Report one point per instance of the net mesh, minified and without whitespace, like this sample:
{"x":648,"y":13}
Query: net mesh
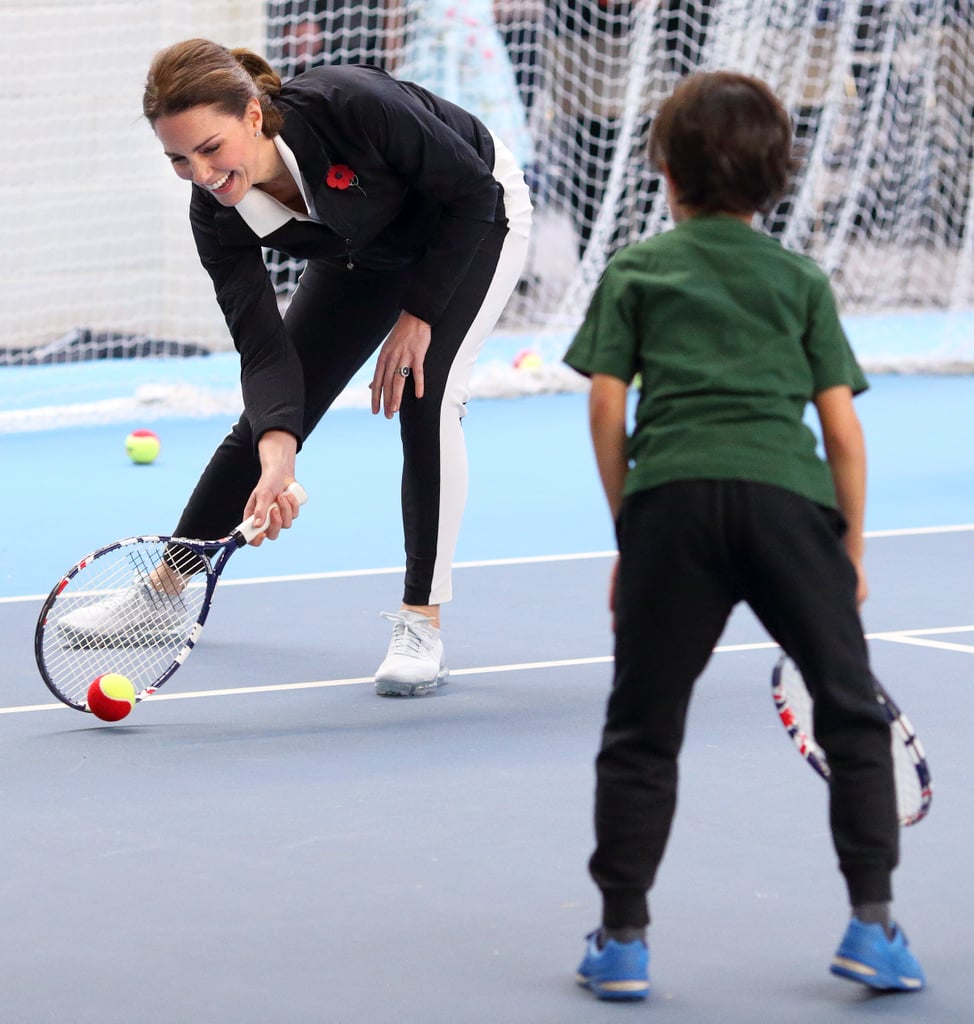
{"x":881,"y":99}
{"x":111,"y":616}
{"x":98,"y":256}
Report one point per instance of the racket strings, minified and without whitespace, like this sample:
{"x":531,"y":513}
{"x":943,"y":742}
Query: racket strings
{"x":794,"y":705}
{"x":120,"y":613}
{"x":914,"y":789}
{"x":183,"y":561}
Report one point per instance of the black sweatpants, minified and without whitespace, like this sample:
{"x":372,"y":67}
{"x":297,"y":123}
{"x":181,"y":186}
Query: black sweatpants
{"x":689,"y":552}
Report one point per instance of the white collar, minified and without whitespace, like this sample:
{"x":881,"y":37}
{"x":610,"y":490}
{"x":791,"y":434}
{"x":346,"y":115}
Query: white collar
{"x":262,"y":212}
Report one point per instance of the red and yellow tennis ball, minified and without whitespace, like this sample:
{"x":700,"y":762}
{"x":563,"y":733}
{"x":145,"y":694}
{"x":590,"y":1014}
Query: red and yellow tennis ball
{"x":111,"y":697}
{"x":528,"y":359}
{"x":142,"y":447}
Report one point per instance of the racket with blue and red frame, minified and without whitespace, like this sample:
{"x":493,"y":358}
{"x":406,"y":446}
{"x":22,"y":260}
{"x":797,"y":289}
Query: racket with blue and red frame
{"x":914,"y":787}
{"x":135,"y":607}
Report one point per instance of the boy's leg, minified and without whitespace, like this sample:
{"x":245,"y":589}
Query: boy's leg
{"x":672,"y":601}
{"x":802,"y":586}
{"x":803,"y":590}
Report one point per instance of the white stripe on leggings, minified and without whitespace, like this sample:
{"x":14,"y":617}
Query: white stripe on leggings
{"x":453,"y":451}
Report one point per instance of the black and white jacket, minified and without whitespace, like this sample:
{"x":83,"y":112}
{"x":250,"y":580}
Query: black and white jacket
{"x":393,"y":175}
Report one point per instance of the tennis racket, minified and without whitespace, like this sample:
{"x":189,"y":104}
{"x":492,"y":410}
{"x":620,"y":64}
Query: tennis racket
{"x":136,"y":607}
{"x":914,"y":789}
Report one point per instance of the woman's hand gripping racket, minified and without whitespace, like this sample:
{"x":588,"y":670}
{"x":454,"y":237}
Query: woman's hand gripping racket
{"x":914,"y":789}
{"x":135,"y":607}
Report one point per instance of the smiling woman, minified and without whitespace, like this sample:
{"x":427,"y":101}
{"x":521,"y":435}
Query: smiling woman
{"x":227,"y":155}
{"x":413,"y":218}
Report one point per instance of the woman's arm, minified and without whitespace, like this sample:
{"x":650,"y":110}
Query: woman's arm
{"x":270,"y":372}
{"x":271,"y":376}
{"x":277,"y":450}
{"x":406,"y":346}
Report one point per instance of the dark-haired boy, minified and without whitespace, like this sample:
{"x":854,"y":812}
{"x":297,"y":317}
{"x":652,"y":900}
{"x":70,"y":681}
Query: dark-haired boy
{"x":719,"y":496}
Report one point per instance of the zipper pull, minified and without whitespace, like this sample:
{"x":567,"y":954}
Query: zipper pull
{"x":349,"y":265}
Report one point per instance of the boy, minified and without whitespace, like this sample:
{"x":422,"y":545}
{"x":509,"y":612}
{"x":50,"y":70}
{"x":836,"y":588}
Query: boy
{"x":718,"y":497}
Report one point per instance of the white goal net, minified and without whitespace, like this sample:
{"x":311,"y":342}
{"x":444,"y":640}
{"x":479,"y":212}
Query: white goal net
{"x":97,"y":251}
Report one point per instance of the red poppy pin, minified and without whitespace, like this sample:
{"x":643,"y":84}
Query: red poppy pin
{"x":341,"y":176}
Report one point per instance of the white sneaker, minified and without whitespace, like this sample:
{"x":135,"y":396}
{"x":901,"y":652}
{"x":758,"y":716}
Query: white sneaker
{"x":128,"y":618}
{"x":414,"y":663}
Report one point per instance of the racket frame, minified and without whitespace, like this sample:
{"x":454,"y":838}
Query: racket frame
{"x":213,"y":556}
{"x":901,"y":728}
{"x":204,"y":550}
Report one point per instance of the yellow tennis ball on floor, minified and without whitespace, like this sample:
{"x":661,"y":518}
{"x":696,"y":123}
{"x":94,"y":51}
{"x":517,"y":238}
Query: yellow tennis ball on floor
{"x":111,"y":697}
{"x":142,"y":447}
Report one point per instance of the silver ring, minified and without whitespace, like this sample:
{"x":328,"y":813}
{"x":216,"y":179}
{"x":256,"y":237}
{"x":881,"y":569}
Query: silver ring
{"x":404,"y":371}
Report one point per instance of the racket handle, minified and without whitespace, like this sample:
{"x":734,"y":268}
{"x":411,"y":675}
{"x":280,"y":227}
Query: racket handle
{"x":248,"y":531}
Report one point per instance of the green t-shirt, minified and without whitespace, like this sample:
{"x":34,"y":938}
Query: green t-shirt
{"x":732,"y":336}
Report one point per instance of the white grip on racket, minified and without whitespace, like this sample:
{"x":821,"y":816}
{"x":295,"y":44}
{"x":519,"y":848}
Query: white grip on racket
{"x":248,"y":531}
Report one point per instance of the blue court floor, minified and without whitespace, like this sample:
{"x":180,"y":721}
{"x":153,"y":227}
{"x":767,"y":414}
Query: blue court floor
{"x":534,"y":489}
{"x":267,"y":842}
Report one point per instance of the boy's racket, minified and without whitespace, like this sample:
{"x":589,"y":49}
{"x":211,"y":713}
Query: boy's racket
{"x":914,"y":789}
{"x":114,"y":612}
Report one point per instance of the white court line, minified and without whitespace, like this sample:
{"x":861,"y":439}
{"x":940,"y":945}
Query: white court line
{"x":527,"y":560}
{"x":939,"y":645}
{"x":386,"y":571}
{"x":901,"y":636}
{"x":918,"y":530}
{"x":324,"y":683}
{"x":915,"y":637}
{"x":489,"y":563}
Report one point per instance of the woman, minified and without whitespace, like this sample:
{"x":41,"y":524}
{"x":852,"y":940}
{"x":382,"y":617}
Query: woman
{"x":413,"y":219}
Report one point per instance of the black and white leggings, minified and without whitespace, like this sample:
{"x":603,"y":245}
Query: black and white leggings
{"x":336,"y":320}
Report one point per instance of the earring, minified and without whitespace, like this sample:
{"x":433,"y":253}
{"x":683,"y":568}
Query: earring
{"x":257,"y":134}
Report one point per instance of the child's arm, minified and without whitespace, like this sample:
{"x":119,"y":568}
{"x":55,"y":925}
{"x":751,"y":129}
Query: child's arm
{"x":845,"y":450}
{"x":607,"y":420}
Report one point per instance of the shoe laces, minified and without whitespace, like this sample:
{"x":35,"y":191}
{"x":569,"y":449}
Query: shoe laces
{"x":141,"y":604}
{"x":409,"y":637}
{"x":128,"y":605}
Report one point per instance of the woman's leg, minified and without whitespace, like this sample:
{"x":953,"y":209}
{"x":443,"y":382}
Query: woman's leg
{"x":336,"y":319}
{"x":434,"y":476}
{"x":434,"y":483}
{"x":434,"y":480}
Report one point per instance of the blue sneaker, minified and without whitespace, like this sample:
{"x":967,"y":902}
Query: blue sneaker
{"x":620,"y":970}
{"x":867,"y":955}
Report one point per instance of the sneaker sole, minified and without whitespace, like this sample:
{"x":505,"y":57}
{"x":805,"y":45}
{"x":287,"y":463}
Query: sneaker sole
{"x":855,"y":970}
{"x":80,"y":640}
{"x":395,"y":688}
{"x":615,"y":991}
